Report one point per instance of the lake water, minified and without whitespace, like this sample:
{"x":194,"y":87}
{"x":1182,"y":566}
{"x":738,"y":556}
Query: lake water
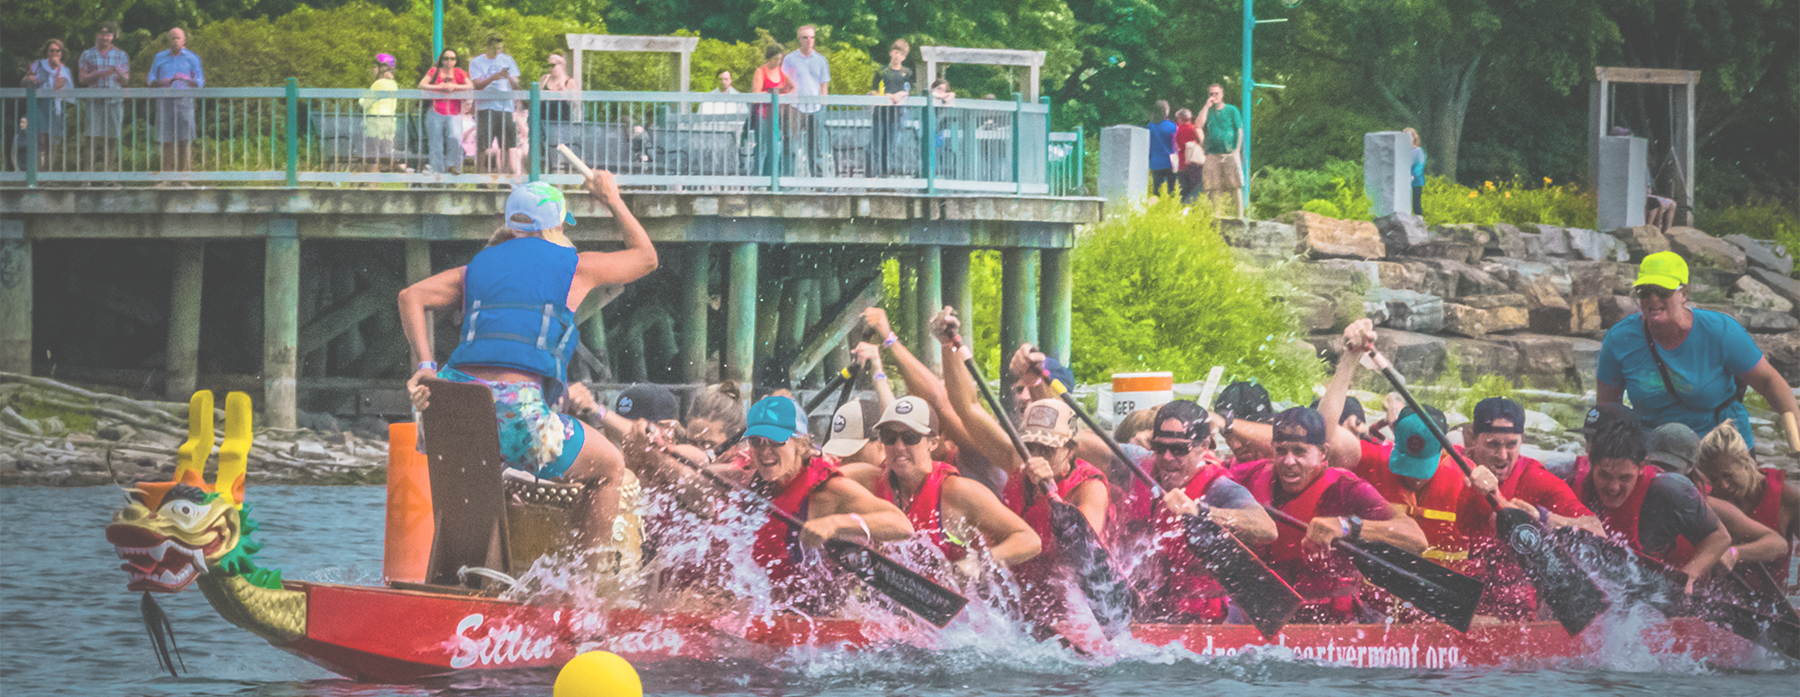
{"x":68,"y":627}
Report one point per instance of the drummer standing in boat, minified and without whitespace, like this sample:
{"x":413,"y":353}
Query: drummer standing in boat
{"x":517,"y":299}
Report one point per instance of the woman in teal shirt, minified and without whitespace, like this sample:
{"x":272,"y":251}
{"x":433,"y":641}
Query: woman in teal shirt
{"x":1692,"y":372}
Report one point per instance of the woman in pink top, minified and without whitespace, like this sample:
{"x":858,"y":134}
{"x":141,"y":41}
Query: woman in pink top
{"x":443,"y":125}
{"x":769,"y":77}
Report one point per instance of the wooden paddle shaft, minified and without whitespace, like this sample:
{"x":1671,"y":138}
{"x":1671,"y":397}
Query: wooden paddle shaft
{"x":1006,"y":424}
{"x":844,"y":375}
{"x":574,"y":160}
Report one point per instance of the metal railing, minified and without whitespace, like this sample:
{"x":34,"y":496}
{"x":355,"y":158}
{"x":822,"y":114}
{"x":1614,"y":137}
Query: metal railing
{"x":1068,"y":160}
{"x":668,"y":140}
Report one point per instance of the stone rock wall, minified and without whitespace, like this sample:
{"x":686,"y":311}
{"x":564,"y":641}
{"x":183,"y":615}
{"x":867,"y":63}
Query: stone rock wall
{"x":1530,"y":301}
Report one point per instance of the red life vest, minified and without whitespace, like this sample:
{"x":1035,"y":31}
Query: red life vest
{"x":925,"y":512}
{"x":777,"y":545}
{"x":1444,"y":509}
{"x":1768,"y":512}
{"x":1317,"y":581}
{"x":1623,"y":519}
{"x":1176,"y":581}
{"x":1043,"y":599}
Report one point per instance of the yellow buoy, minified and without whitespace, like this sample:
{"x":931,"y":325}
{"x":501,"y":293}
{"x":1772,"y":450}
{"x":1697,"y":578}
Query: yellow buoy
{"x":598,"y":674}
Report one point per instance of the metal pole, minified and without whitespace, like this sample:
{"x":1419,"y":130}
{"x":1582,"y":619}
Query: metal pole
{"x":928,"y":129}
{"x":31,"y":130}
{"x":1249,"y":84}
{"x":1018,"y":118}
{"x":535,"y":137}
{"x":437,"y":30}
{"x":293,"y":133}
{"x":774,"y":158}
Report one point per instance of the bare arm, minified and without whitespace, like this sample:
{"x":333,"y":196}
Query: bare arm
{"x":441,"y":291}
{"x":982,"y":431}
{"x":637,"y":259}
{"x":1608,"y":394}
{"x":870,"y":355}
{"x":1092,"y":498}
{"x":1706,"y":554}
{"x":1754,"y":541}
{"x":836,"y":507}
{"x":1009,"y":540}
{"x":1767,"y":382}
{"x":1341,"y":445}
{"x":1400,"y":531}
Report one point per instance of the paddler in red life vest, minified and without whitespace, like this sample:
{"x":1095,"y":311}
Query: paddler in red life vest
{"x":518,"y":299}
{"x":1336,"y":503}
{"x":953,"y":512}
{"x":1661,"y":515}
{"x":783,"y":467}
{"x":1498,"y":429}
{"x":1172,"y":582}
{"x":1725,"y":468}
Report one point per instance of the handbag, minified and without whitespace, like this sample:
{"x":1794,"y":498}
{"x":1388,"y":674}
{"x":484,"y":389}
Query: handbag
{"x":1193,"y":153}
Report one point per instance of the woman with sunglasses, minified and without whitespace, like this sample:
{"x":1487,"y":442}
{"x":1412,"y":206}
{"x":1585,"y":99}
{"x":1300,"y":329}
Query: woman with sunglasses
{"x":1681,"y":364}
{"x":1153,"y":535}
{"x":443,"y":121}
{"x":955,"y":513}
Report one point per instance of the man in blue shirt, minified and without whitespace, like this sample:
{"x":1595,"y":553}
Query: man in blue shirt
{"x":1162,"y":151}
{"x":179,"y":69}
{"x":809,"y":148}
{"x":1690,"y":373}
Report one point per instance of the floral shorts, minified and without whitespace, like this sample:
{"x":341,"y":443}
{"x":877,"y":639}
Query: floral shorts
{"x":533,"y":436}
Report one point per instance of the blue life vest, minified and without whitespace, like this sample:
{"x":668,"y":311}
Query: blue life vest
{"x":516,"y":312}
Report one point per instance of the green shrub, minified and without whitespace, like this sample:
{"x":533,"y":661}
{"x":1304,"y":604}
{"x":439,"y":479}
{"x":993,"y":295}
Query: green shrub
{"x":1760,"y":219}
{"x":1277,"y":190}
{"x":1447,"y":202}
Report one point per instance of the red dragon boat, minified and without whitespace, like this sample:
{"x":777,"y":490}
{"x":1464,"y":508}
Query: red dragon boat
{"x":188,"y":532}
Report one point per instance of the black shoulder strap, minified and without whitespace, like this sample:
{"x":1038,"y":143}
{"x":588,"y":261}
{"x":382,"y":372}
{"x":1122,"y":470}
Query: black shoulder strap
{"x":1669,"y":385}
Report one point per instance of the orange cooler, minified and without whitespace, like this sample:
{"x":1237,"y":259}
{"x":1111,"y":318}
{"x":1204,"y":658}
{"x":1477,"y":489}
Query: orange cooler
{"x":1134,"y":391}
{"x":409,"y":523}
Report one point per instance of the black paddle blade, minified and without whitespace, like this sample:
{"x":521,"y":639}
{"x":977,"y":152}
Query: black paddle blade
{"x":923,"y":596}
{"x":1263,"y":596}
{"x":1748,"y":608}
{"x":1444,"y":594}
{"x":1640,"y":581}
{"x":1111,"y":599}
{"x":1572,"y":596}
{"x":162,"y":635}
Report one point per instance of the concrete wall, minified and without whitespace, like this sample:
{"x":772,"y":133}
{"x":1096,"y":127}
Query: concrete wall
{"x":1622,"y":175}
{"x":1387,"y":172}
{"x":1124,"y":163}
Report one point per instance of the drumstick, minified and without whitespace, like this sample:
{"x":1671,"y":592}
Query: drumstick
{"x":574,"y":160}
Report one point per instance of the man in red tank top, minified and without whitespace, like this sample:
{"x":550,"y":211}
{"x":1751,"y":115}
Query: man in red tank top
{"x":1655,"y":512}
{"x":1524,"y":483}
{"x":951,"y":511}
{"x":1335,"y":503}
{"x":1152,"y":535}
{"x":1726,"y":468}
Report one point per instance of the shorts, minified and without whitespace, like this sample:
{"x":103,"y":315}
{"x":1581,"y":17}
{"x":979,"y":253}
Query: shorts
{"x":50,"y":119}
{"x":106,"y":118}
{"x":533,"y":437}
{"x":174,"y":119}
{"x":1222,"y":173}
{"x":487,"y":122}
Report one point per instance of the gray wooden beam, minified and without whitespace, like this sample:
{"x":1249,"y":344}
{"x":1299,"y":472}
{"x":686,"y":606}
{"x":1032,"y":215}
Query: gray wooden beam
{"x":185,"y":295}
{"x":832,"y":330}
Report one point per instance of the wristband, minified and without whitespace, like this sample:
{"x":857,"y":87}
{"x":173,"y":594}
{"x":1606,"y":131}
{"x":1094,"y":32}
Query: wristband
{"x":1344,"y":527}
{"x":889,"y":341}
{"x":879,"y":377}
{"x":1544,"y":516}
{"x":428,"y":365}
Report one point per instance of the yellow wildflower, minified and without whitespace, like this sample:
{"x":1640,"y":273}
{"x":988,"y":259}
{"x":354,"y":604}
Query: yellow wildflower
{"x":1546,"y":180}
{"x":1490,"y":186}
{"x":1473,"y":194}
{"x":1509,"y":194}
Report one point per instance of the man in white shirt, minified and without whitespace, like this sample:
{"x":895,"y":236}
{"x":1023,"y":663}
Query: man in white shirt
{"x":495,"y":70}
{"x":724,"y":107}
{"x":809,"y":148}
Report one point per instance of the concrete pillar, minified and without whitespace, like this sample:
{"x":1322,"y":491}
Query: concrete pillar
{"x":1124,"y":163}
{"x":956,"y":290}
{"x":1387,"y":172}
{"x":906,"y":307}
{"x":931,"y":299}
{"x":1055,"y":295}
{"x":1018,"y":307}
{"x":184,"y":320}
{"x":740,"y":315}
{"x":1622,"y":173}
{"x":696,"y":301}
{"x":281,"y":322}
{"x":15,"y":298}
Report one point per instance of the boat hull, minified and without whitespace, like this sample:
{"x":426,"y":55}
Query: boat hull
{"x":390,"y":635}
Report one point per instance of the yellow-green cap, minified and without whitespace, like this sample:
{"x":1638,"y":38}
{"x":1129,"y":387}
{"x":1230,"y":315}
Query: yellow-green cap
{"x":1665,"y":269}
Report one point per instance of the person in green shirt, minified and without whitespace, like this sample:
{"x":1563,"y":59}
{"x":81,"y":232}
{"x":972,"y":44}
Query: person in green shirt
{"x":1221,"y":129}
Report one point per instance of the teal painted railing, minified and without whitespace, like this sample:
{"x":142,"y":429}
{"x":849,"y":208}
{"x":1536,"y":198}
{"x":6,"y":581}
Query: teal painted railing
{"x":297,"y":137}
{"x":1067,"y":154}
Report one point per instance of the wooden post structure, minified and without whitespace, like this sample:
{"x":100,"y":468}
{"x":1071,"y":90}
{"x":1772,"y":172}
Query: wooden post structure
{"x":281,"y":322}
{"x":1684,"y":83}
{"x":1018,"y":308}
{"x":955,"y":270}
{"x":740,"y":316}
{"x":1056,"y":294}
{"x":184,"y":320}
{"x":15,"y":298}
{"x":695,"y":303}
{"x":906,"y":307}
{"x":931,"y":299}
{"x":418,"y":268}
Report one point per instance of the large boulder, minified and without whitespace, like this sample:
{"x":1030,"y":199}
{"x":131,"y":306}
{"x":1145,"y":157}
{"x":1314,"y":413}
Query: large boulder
{"x":1754,"y":294}
{"x":1584,"y":316}
{"x":1641,"y":240}
{"x":1509,"y":241}
{"x":1322,"y":237}
{"x":1598,"y":278}
{"x":1419,"y":357}
{"x":1755,"y":320}
{"x":1516,"y":273}
{"x":1477,"y":322}
{"x":1474,"y":281}
{"x":1781,"y":284}
{"x":1783,"y":352}
{"x":1758,"y":254}
{"x":1318,"y":313}
{"x":1555,"y":239}
{"x":1267,"y":237}
{"x":1463,"y":243}
{"x":1704,"y":251}
{"x":1335,"y":276}
{"x":1409,"y":310}
{"x":1477,"y":358}
{"x":1545,"y":362}
{"x":1402,"y":231}
{"x":1589,"y":245}
{"x":1614,"y":308}
{"x":1434,"y":276}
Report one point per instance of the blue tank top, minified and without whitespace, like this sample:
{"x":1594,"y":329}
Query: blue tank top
{"x":515,"y":310}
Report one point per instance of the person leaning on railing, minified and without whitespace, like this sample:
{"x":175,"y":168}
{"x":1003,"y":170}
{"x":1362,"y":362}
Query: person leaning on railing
{"x":379,"y":125}
{"x":555,"y":113}
{"x":894,"y":81}
{"x":443,"y":121}
{"x":176,"y":68}
{"x":49,"y":72}
{"x":105,"y":67}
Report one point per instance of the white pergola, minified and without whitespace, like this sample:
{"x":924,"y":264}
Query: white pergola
{"x":984,"y":56}
{"x":682,"y":46}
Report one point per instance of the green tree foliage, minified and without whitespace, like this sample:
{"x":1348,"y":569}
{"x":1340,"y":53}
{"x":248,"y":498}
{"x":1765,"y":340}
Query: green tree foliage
{"x":26,"y":24}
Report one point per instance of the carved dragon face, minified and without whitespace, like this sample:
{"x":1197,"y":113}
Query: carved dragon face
{"x":170,"y":532}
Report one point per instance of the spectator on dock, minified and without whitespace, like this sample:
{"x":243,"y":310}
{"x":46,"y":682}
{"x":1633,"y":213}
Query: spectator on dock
{"x":1223,"y":128}
{"x":769,"y":77}
{"x":443,"y":121}
{"x":808,"y":146}
{"x":725,"y":87}
{"x":1418,"y":172}
{"x":894,"y":81}
{"x":495,"y":70}
{"x":180,"y":69}
{"x":1189,"y":154}
{"x":49,"y":72}
{"x":378,"y":115}
{"x":105,"y":67}
{"x":1163,"y":160}
{"x":554,"y":115}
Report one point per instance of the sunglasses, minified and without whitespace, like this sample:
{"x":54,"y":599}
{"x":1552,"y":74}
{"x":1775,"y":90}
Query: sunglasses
{"x":1652,"y":292}
{"x":908,"y":437}
{"x":1176,"y":449}
{"x":762,"y":443}
{"x":1040,"y":450}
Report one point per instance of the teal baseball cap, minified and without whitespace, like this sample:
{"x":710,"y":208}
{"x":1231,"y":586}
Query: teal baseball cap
{"x":541,"y":203}
{"x":775,"y":418}
{"x":1416,"y":451}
